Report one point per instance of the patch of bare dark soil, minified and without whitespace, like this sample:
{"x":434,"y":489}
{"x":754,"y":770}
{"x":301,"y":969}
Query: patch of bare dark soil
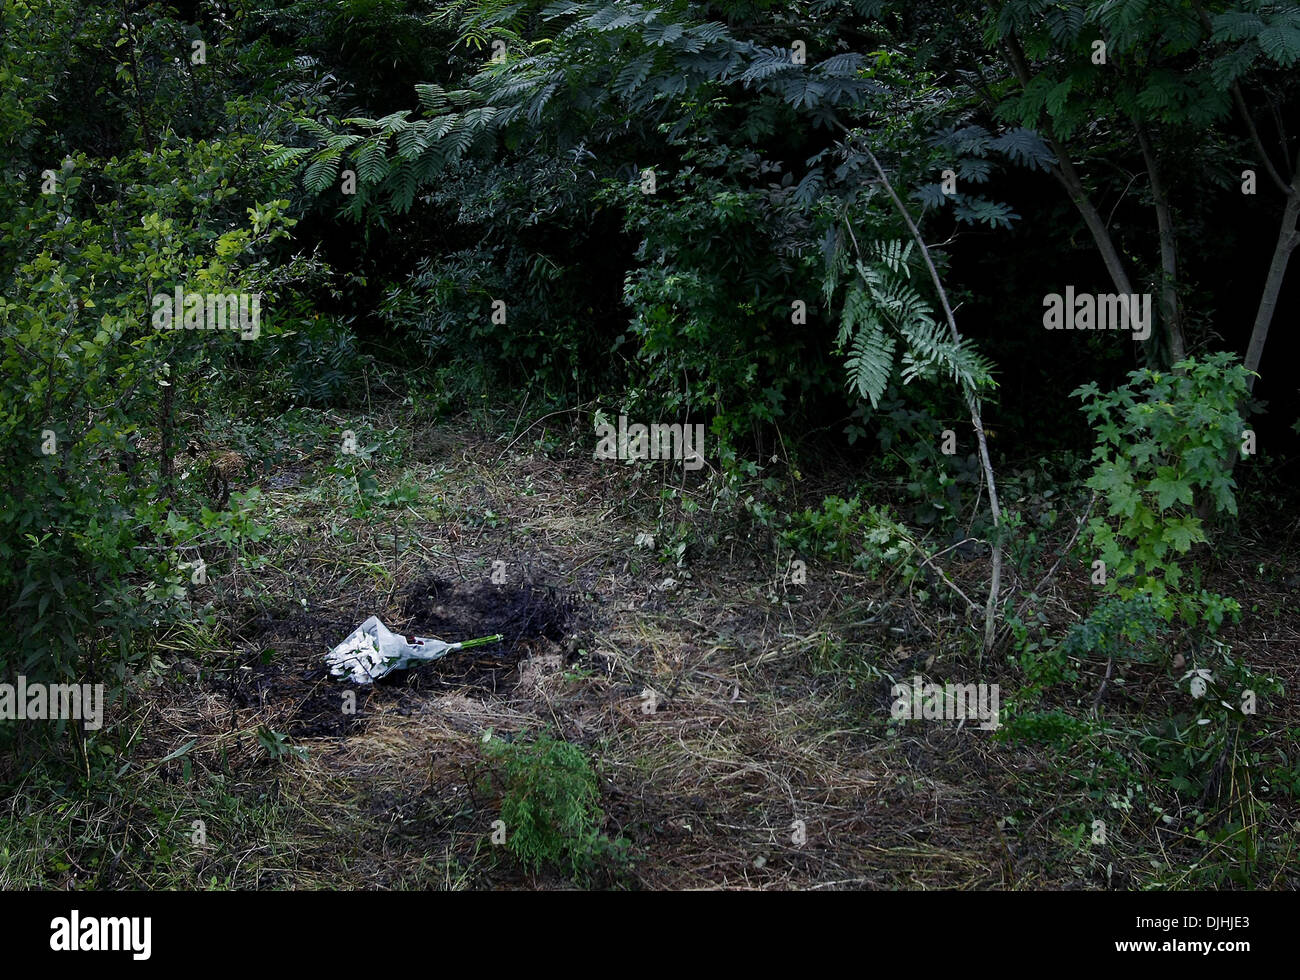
{"x":531,"y":618}
{"x":286,"y":669}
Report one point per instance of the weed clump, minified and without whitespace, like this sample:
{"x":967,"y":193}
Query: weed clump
{"x":550,"y":806}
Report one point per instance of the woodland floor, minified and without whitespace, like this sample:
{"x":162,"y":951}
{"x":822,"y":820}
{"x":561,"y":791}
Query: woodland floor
{"x":757,"y":724}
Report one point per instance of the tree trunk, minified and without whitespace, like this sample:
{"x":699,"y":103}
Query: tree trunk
{"x":1169,"y":302}
{"x":1069,"y":178}
{"x":1287,"y":240}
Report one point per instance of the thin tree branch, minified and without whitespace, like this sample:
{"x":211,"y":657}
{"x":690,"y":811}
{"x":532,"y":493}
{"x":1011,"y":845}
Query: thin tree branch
{"x":972,"y":401}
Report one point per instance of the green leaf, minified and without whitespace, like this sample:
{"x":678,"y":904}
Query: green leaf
{"x":1170,"y":488}
{"x":1182,"y":534}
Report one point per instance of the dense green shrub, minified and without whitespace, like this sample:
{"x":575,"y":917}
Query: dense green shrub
{"x":96,"y":398}
{"x":1163,"y":439}
{"x":550,"y":805}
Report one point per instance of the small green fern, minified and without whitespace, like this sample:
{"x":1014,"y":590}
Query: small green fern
{"x":550,"y":806}
{"x":880,"y":307}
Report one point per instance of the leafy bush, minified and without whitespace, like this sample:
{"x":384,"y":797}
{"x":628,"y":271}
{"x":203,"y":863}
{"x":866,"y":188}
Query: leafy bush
{"x":933,"y":487}
{"x":718,"y":267}
{"x":843,"y":530}
{"x":1123,"y":629}
{"x":1162,"y":439}
{"x":167,"y":188}
{"x":322,"y":362}
{"x":550,"y":806}
{"x":524,"y":233}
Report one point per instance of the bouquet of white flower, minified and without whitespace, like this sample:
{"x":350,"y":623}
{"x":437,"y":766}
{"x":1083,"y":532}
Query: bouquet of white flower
{"x":372,"y":650}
